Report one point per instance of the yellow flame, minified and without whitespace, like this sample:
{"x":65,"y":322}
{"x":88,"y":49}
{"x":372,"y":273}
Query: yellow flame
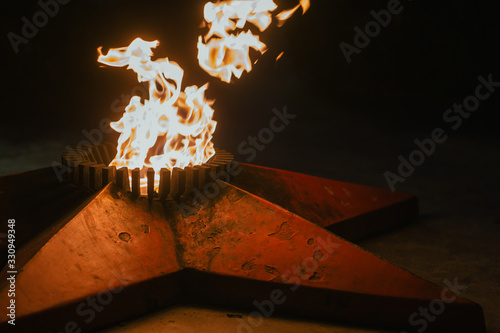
{"x":173,"y":128}
{"x":224,"y":50}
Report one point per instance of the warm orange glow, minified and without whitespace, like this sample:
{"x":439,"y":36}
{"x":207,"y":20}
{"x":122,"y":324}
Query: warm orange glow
{"x":173,"y":128}
{"x":286,"y":14}
{"x":224,"y":50}
{"x":279,"y":55}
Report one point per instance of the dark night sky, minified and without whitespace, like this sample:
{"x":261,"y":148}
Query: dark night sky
{"x":426,"y":59}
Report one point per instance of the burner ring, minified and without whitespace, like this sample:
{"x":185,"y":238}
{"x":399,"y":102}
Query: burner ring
{"x":88,"y":167}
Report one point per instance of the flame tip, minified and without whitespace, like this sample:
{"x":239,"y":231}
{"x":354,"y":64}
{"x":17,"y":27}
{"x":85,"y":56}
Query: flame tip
{"x":223,"y":52}
{"x":174,"y":127}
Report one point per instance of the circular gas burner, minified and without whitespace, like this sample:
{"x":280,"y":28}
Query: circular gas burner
{"x":88,"y":167}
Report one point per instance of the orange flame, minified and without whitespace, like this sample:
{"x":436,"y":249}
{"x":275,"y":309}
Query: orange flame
{"x":173,"y":128}
{"x":280,"y":55}
{"x":224,"y":51}
{"x":286,"y":14}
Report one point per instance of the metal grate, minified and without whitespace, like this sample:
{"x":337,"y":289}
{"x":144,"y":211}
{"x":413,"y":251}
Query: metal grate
{"x":88,"y":166}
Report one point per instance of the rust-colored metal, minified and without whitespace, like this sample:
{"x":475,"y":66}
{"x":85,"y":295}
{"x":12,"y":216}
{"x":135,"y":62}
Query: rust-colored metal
{"x":164,"y":186}
{"x":136,"y":182}
{"x":177,"y":183}
{"x":191,"y":180}
{"x":122,"y":179}
{"x":150,"y":174}
{"x":236,"y":249}
{"x":203,"y":173}
{"x":349,"y":210}
{"x":108,"y":175}
{"x":96,"y":176}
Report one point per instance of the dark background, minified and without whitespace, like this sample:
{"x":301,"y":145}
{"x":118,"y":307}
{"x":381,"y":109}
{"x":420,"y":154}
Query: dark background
{"x":353,"y":120}
{"x":428,"y":58}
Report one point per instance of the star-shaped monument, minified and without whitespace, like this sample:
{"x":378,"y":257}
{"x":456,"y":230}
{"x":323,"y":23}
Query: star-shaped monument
{"x":269,"y":242}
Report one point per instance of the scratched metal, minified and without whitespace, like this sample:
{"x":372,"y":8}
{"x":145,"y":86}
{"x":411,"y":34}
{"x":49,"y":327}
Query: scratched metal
{"x":134,"y":256}
{"x":349,"y":210}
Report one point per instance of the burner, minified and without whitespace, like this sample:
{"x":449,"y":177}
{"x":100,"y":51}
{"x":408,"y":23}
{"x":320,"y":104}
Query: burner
{"x":89,"y":167}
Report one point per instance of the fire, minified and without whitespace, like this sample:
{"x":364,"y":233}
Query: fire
{"x":173,"y":128}
{"x":225,"y":50}
{"x":286,"y":14}
{"x":279,"y":56}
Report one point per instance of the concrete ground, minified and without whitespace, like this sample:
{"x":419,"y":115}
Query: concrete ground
{"x":187,"y":319}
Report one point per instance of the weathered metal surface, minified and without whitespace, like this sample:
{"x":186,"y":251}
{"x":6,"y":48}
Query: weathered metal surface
{"x":37,"y":200}
{"x":241,"y":239}
{"x":349,"y":210}
{"x":113,"y":242}
{"x":233,"y":249}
